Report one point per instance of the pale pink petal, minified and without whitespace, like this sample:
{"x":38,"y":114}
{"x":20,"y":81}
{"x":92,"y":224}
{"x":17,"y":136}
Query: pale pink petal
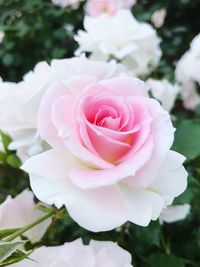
{"x":79,"y":151}
{"x":110,"y":254}
{"x":45,"y":125}
{"x":49,"y":180}
{"x":98,"y":204}
{"x":171,"y":180}
{"x":126,"y":86}
{"x":91,"y":178}
{"x":175,"y":213}
{"x":109,"y":149}
{"x":81,"y":65}
{"x":61,"y":116}
{"x":163,"y":136}
{"x":142,"y":205}
{"x":49,"y":176}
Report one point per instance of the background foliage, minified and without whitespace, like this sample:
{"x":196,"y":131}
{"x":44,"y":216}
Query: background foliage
{"x":35,"y":31}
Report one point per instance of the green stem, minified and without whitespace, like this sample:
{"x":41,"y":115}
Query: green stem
{"x":165,"y":245}
{"x":29,"y":226}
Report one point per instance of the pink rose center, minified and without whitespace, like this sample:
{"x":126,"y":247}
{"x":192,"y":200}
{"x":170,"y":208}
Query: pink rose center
{"x":113,"y":127}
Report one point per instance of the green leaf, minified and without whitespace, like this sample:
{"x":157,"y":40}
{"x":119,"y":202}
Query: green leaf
{"x":163,"y":260}
{"x":6,"y":232}
{"x":13,"y":161}
{"x":5,"y":140}
{"x":2,"y":156}
{"x":8,"y":248}
{"x":187,"y":138}
{"x":17,"y":256}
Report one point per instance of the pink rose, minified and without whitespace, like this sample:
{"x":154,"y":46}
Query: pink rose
{"x":19,"y":102}
{"x":158,"y":17}
{"x":98,"y":7}
{"x":110,"y":160}
{"x":75,"y":254}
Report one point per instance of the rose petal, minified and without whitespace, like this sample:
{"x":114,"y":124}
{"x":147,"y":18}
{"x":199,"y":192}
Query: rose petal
{"x":172,"y":177}
{"x":90,"y":178}
{"x":163,"y":136}
{"x":45,"y":125}
{"x":142,"y":205}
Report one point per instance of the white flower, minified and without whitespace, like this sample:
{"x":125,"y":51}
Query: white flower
{"x":75,"y":254}
{"x":187,"y":73}
{"x":20,"y":211}
{"x":175,"y":213}
{"x":2,"y":34}
{"x":158,"y":17}
{"x":19,"y":102}
{"x":163,"y":91}
{"x":18,"y":111}
{"x":64,"y":3}
{"x":121,"y":37}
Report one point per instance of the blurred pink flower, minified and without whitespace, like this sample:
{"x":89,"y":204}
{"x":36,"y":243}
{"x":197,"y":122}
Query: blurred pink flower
{"x":98,"y":7}
{"x":158,"y":17}
{"x":75,"y":254}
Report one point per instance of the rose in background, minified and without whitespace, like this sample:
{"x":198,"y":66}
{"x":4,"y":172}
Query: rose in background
{"x":158,"y":17}
{"x":65,"y":3}
{"x":163,"y":91}
{"x":97,"y":7}
{"x":110,"y":150}
{"x":175,"y":213}
{"x":187,"y":73}
{"x":96,"y":254}
{"x":133,"y":43}
{"x":18,"y":111}
{"x":19,"y":102}
{"x":20,"y":211}
{"x":110,"y":7}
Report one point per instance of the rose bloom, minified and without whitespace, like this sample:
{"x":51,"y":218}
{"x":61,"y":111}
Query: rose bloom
{"x":19,"y":102}
{"x":158,"y":17}
{"x":18,"y":111}
{"x":133,"y":43}
{"x":75,"y":254}
{"x":175,"y":213}
{"x":163,"y":91}
{"x":110,"y":160}
{"x":20,"y":211}
{"x":98,"y":7}
{"x":187,"y":73}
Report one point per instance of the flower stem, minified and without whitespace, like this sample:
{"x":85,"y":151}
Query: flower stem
{"x":29,"y":226}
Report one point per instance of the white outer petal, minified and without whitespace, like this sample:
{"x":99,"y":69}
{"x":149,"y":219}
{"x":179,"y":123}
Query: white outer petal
{"x":172,"y":177}
{"x":175,"y":213}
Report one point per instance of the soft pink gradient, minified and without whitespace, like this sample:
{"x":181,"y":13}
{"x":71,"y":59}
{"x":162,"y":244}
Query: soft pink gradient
{"x":110,"y":153}
{"x":76,"y":254}
{"x":98,"y":7}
